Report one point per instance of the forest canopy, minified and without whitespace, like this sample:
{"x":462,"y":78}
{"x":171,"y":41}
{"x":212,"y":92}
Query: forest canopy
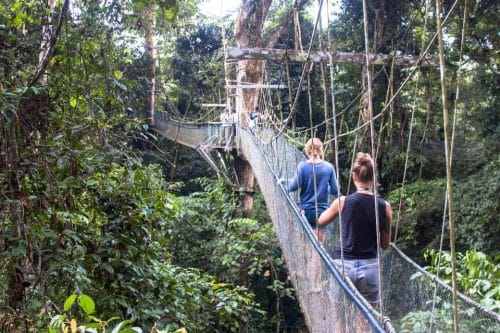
{"x":100,"y":216}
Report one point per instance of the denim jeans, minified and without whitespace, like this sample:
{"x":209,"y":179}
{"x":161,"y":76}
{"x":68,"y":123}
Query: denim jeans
{"x":363,"y":273}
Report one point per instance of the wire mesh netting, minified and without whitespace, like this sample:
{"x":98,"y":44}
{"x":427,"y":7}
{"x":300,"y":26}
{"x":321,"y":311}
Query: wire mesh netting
{"x":414,"y":300}
{"x":417,"y":301}
{"x":189,"y":135}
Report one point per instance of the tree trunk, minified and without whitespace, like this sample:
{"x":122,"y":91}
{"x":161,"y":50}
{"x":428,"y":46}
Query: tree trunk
{"x":246,"y":183}
{"x":248,"y":30}
{"x":149,"y":24}
{"x":47,"y":54}
{"x":378,"y":8}
{"x":45,"y":42}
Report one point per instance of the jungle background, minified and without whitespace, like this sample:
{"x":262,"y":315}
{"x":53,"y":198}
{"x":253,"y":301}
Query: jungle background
{"x":103,"y":222}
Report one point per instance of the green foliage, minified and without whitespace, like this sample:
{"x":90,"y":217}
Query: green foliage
{"x":477,"y":207}
{"x":241,"y":254}
{"x":80,"y":212}
{"x":196,"y":69}
{"x":239,"y":251}
{"x":442,"y":321}
{"x":68,"y":322}
{"x":421,"y":215}
{"x":130,"y":258}
{"x":86,"y":318}
{"x":478,"y":275}
{"x":98,"y":221}
{"x":114,"y":243}
{"x":201,"y":220}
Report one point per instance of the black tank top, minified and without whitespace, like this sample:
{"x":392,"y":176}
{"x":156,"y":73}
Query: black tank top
{"x":359,"y":226}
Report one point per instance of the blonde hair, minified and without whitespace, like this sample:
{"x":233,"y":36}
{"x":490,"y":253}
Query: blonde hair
{"x":363,"y":167}
{"x":314,"y":147}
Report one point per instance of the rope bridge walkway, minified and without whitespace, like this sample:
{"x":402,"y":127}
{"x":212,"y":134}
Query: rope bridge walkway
{"x":414,"y":300}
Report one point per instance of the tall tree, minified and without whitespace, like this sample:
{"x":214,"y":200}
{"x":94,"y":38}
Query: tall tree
{"x":248,"y":31}
{"x":147,"y":16}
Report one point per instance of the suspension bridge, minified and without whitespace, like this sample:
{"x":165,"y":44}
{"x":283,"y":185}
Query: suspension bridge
{"x":411,"y":295}
{"x":412,"y":300}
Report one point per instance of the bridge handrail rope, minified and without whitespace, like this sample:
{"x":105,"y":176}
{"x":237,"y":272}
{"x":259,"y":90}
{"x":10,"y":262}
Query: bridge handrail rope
{"x":304,"y":225}
{"x":306,"y":63}
{"x":434,"y":278}
{"x":373,"y":152}
{"x":407,"y":154}
{"x":455,"y":113}
{"x":390,"y":91}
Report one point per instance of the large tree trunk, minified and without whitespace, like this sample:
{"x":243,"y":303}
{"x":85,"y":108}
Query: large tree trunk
{"x":248,"y":33}
{"x":378,"y":8}
{"x":246,"y":182}
{"x":248,"y":30}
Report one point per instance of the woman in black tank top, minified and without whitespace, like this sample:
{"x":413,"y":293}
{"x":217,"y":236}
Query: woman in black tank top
{"x":359,"y":231}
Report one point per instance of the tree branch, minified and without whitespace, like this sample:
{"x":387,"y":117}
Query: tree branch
{"x":52,"y":43}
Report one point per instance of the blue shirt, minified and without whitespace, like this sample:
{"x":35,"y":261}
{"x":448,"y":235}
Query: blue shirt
{"x":323,"y":183}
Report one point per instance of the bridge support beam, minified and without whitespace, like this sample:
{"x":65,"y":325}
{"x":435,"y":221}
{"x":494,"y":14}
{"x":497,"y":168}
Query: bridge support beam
{"x":233,"y":53}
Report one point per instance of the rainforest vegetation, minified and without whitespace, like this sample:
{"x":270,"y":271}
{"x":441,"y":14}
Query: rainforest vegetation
{"x":105,"y":224}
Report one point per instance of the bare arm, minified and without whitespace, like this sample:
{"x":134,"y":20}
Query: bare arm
{"x":332,"y":212}
{"x":385,"y":233}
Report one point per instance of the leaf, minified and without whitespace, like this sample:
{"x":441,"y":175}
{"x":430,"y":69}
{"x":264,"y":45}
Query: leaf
{"x":69,"y":302}
{"x":86,"y":329}
{"x":86,"y":303}
{"x":19,"y":250}
{"x":131,"y":330}
{"x":72,"y":102}
{"x":91,"y":182}
{"x":57,"y":321}
{"x":121,"y":324}
{"x":111,"y":319}
{"x":121,"y":86}
{"x":118,"y":74}
{"x":73,"y":326}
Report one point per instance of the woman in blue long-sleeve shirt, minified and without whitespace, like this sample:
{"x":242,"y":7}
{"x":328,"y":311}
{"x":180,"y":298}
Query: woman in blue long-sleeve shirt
{"x":316,"y":179}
